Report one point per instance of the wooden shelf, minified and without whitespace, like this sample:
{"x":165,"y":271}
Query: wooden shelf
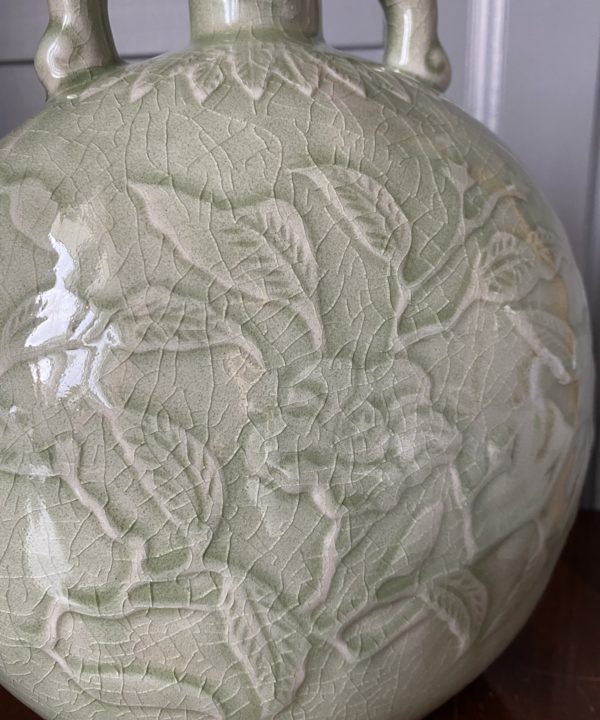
{"x":552,"y":670}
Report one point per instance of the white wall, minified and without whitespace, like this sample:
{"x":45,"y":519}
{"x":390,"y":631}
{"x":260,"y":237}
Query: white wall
{"x":528,"y":68}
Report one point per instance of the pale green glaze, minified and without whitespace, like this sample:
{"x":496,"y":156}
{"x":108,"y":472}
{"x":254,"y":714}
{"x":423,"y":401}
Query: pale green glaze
{"x":296,"y":380}
{"x":412,"y":41}
{"x":77,"y":45}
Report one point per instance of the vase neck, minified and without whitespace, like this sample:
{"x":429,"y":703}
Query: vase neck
{"x":300,"y":18}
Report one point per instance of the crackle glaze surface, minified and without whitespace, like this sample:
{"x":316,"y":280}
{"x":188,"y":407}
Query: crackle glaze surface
{"x":295,"y":393}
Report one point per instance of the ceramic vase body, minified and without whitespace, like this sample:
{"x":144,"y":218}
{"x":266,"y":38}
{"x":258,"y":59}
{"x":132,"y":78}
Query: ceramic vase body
{"x":296,"y":380}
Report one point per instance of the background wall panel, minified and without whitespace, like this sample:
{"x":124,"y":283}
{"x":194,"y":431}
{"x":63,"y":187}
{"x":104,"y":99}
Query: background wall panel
{"x":21,"y":95}
{"x":592,"y":276}
{"x":149,"y":27}
{"x":454,"y":32}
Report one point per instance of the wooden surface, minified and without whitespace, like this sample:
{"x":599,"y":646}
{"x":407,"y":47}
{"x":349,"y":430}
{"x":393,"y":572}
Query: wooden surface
{"x":552,"y":670}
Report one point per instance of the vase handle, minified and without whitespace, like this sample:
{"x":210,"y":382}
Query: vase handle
{"x":412,"y":44}
{"x":77,"y":45}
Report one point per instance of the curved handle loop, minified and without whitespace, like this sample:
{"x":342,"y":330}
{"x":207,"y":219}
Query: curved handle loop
{"x":412,"y":44}
{"x":77,"y":45}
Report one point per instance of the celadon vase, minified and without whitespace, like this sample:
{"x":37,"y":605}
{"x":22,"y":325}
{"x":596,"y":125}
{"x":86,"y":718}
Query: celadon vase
{"x":296,"y":379}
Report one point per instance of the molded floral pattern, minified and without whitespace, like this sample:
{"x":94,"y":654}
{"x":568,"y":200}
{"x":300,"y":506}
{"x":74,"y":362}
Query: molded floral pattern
{"x":295,"y":393}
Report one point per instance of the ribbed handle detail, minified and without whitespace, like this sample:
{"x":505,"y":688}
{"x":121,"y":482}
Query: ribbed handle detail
{"x":77,"y":45}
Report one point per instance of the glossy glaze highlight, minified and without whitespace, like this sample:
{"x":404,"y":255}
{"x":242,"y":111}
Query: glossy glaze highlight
{"x":296,"y":382}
